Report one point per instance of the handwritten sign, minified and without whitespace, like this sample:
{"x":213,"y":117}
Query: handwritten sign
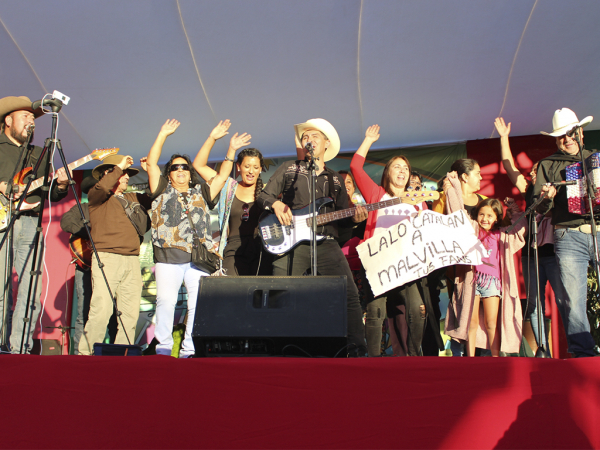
{"x":417,"y":246}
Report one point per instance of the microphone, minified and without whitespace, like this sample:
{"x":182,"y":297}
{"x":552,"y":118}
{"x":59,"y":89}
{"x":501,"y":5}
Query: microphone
{"x":30,"y":128}
{"x":572,"y":131}
{"x":47,"y":102}
{"x":309,"y":146}
{"x":561,"y":183}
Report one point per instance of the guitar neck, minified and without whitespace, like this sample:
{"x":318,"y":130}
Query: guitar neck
{"x":342,"y":214}
{"x":80,"y":162}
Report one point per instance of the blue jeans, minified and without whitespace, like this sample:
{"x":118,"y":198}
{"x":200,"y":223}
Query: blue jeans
{"x":574,"y":251}
{"x":83,"y":285}
{"x":549,"y":272}
{"x":22,"y":253}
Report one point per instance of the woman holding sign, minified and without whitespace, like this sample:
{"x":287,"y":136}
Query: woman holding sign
{"x":409,"y":306}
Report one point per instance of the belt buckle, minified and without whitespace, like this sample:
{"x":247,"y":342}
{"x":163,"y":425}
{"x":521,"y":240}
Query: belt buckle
{"x":586,"y":228}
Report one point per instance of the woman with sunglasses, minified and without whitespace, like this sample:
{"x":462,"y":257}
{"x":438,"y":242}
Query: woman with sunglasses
{"x":237,"y":210}
{"x":179,"y":211}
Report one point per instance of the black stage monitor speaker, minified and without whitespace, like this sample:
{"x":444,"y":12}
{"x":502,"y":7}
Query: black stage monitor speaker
{"x":299,"y":316}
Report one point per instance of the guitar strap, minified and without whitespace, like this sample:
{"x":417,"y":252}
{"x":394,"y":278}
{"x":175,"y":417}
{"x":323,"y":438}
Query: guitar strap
{"x":331,"y":185}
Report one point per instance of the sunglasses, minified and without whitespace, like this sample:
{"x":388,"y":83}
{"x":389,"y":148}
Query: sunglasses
{"x":176,"y":167}
{"x":245,"y":212}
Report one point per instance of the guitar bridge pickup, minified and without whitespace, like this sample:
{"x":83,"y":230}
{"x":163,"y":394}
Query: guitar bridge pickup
{"x":266,"y":232}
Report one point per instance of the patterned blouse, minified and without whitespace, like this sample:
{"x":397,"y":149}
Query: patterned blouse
{"x":170,"y":223}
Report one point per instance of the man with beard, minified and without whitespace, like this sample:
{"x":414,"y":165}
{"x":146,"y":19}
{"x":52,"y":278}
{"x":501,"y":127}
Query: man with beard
{"x":16,"y":127}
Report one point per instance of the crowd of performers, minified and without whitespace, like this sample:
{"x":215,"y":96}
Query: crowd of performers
{"x":484,"y":310}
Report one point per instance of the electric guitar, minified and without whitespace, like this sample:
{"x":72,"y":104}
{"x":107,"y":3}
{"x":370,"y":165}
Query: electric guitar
{"x":81,"y":250}
{"x":19,"y":180}
{"x":279,"y":239}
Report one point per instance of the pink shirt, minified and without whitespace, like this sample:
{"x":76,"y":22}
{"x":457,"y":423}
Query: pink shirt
{"x":491,"y":263}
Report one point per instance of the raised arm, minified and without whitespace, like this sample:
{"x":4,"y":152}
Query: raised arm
{"x":371,"y":135}
{"x":219,"y":179}
{"x":368,"y":188}
{"x":151,"y":162}
{"x":515,"y":176}
{"x":202,"y":157}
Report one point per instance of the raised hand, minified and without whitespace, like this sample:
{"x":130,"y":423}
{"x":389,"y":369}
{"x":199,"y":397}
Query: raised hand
{"x":143,"y":162}
{"x":221,"y":129}
{"x":125,"y":163}
{"x":501,"y":127}
{"x":372,"y":133}
{"x":169,"y":127}
{"x":240,"y":141}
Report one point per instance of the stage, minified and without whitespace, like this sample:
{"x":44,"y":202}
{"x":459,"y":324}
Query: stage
{"x":258,"y":402}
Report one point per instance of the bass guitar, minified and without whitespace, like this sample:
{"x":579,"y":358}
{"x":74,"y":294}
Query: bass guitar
{"x":19,"y":180}
{"x":279,"y":239}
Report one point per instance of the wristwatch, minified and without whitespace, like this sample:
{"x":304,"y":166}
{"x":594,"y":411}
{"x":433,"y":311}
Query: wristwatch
{"x":228,"y":159}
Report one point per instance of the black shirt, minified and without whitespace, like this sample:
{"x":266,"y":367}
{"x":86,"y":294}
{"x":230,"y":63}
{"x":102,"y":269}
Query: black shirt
{"x":10,"y":154}
{"x":292,"y":179}
{"x":552,"y":168}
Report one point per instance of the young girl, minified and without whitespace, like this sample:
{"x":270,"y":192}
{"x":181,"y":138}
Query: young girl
{"x":493,"y":283}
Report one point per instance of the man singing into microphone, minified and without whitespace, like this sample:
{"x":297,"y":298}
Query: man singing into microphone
{"x":292,"y":180}
{"x":572,"y":232}
{"x":16,"y":128}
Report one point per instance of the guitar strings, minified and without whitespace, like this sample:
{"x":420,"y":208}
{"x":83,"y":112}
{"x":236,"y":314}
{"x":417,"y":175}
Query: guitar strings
{"x":304,"y":223}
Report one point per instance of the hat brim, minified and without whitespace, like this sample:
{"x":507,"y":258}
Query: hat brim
{"x":327,"y":129}
{"x":102,"y":167}
{"x":12,"y":104}
{"x":564,"y":130}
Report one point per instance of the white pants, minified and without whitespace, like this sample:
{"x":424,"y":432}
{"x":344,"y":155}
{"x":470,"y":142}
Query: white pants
{"x":168,"y":281}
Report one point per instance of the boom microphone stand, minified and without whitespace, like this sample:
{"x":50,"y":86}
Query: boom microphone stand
{"x":541,"y":350}
{"x":56,"y":106}
{"x":591,"y":193}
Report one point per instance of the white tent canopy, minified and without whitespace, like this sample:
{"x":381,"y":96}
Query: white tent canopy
{"x":427,"y":71}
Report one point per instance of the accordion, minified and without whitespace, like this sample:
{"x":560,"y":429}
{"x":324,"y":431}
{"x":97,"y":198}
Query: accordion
{"x":576,"y":194}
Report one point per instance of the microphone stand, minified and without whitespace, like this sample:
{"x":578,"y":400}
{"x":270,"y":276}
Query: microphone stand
{"x":591,"y":197}
{"x":530,"y":211}
{"x":312,"y":210}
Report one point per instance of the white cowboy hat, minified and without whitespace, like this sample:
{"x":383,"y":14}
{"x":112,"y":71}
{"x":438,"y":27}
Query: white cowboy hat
{"x":565,"y":120}
{"x":10,"y":104}
{"x":327,"y":129}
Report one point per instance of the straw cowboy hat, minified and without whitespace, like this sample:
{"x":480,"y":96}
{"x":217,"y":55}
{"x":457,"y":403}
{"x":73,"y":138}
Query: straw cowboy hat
{"x":565,"y":120}
{"x":10,"y":104}
{"x":109,"y":162}
{"x":327,"y":129}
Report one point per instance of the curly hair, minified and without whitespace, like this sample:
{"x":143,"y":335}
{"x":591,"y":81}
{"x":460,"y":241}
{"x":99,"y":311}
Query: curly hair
{"x":194,"y":176}
{"x":253,"y":153}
